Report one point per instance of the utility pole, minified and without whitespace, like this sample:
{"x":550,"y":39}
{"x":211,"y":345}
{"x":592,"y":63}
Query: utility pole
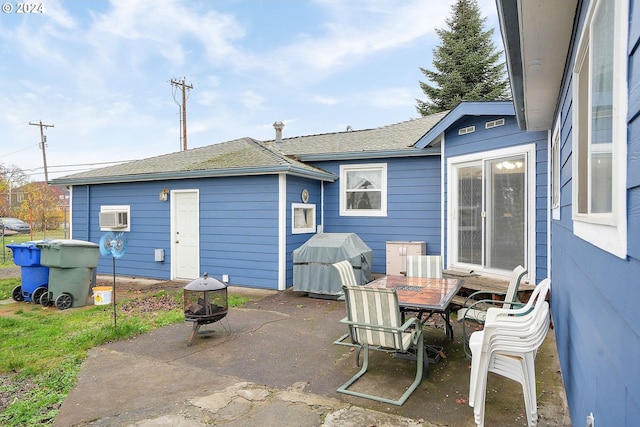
{"x":43,"y":143}
{"x":183,"y":116}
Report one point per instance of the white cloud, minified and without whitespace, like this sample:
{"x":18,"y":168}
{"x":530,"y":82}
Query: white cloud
{"x":359,"y":29}
{"x":389,"y":98}
{"x":251,"y":99}
{"x":325,"y":100}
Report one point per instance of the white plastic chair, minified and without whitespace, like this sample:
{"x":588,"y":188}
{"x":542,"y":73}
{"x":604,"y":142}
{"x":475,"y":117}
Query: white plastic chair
{"x":507,"y":346}
{"x":515,"y":360}
{"x":513,"y":323}
{"x":471,"y":310}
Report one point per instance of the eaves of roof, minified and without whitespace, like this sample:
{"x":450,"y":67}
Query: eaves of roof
{"x":463,"y":109}
{"x":360,"y":155}
{"x":537,"y":35}
{"x":229,"y":172}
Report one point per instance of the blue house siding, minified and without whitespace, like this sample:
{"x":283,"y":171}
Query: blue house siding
{"x":295,"y":185}
{"x":238,"y":227}
{"x":508,"y":135}
{"x":413,"y":206}
{"x":593,"y":292}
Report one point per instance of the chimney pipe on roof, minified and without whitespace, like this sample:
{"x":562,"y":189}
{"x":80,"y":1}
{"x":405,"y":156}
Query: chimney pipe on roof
{"x":278,"y":127}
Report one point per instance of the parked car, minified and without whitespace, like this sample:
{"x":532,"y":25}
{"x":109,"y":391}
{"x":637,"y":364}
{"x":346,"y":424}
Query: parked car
{"x":14,"y":224}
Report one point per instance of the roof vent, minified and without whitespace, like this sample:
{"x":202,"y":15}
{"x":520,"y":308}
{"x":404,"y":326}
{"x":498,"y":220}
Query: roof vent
{"x":278,"y":126}
{"x":494,"y":123}
{"x":468,"y":129}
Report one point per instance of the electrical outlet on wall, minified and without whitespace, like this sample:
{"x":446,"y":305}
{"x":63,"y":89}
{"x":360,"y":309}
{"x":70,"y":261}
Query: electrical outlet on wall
{"x":591,"y":421}
{"x":225,"y":278}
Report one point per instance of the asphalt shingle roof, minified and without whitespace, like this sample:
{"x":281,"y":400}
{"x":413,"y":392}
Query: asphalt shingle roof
{"x":240,"y":156}
{"x":245,"y":155}
{"x":399,"y":136}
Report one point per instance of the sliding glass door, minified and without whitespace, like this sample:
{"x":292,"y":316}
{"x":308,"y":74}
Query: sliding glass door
{"x":488,"y":200}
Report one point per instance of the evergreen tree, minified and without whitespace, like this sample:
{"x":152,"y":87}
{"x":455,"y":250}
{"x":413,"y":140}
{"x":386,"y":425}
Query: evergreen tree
{"x":466,"y":63}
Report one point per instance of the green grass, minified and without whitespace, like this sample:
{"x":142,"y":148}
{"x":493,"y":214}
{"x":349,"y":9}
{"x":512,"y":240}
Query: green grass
{"x":6,"y":287}
{"x":6,"y":255}
{"x":46,"y":347}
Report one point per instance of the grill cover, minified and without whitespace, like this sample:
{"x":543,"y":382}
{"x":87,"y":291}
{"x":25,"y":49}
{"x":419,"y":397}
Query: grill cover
{"x":312,"y":270}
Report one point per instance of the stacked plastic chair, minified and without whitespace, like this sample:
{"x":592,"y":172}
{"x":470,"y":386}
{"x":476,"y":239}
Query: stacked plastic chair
{"x":470,"y":311}
{"x":507,"y":346}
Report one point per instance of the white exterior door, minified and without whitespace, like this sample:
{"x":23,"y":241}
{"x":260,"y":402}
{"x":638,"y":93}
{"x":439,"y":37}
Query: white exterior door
{"x":185,"y":233}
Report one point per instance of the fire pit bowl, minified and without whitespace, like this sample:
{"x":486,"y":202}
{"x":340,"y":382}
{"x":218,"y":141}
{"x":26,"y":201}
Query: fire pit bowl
{"x":205,"y":302}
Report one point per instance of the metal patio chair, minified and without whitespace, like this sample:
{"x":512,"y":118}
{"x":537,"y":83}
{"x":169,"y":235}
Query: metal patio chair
{"x":476,"y":310}
{"x":374,"y":321}
{"x":429,"y":266}
{"x":345,"y":269}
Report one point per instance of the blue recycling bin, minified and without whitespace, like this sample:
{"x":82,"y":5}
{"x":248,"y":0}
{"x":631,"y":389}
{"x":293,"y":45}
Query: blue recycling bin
{"x":34,"y":276}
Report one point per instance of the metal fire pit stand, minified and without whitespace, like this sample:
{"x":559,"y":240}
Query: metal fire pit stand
{"x":196,"y":330}
{"x":205,"y":302}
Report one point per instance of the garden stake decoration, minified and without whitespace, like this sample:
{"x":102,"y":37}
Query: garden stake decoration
{"x":113,"y":244}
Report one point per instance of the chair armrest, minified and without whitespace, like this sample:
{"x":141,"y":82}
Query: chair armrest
{"x":411,"y":322}
{"x":473,"y":295}
{"x":501,"y":316}
{"x":515,"y":305}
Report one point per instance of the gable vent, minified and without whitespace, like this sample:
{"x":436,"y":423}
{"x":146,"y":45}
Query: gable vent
{"x":494,"y":124}
{"x":468,"y":129}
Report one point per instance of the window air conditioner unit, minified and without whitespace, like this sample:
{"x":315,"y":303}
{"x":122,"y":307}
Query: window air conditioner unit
{"x":114,"y":219}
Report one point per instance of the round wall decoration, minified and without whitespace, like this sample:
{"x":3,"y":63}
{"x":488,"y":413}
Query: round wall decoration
{"x":304,"y":195}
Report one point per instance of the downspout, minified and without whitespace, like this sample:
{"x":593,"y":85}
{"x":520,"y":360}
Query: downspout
{"x":69,"y":217}
{"x":443,"y":219}
{"x":282,"y":232}
{"x":549,"y":199}
{"x":322,"y":206}
{"x":88,"y":211}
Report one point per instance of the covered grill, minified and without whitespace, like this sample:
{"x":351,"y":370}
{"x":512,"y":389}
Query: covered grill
{"x":205,"y":301}
{"x":312,"y":270}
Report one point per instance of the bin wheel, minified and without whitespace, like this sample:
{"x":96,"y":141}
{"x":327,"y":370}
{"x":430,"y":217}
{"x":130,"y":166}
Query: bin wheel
{"x":17,"y":293}
{"x":64,"y":301}
{"x":37,"y":294}
{"x":44,"y":300}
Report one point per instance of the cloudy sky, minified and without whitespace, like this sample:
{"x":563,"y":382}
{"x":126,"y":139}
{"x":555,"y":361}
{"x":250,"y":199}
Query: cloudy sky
{"x":100,"y":72}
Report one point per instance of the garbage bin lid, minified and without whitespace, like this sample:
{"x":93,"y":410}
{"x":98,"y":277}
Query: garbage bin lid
{"x":29,"y":245}
{"x":66,"y":242}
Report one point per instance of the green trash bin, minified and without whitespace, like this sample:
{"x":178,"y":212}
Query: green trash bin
{"x":68,"y":253}
{"x":71,"y":271}
{"x":68,"y":287}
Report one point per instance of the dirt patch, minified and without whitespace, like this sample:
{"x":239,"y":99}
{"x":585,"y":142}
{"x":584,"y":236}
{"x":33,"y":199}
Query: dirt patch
{"x":13,"y":390}
{"x":150,"y":304}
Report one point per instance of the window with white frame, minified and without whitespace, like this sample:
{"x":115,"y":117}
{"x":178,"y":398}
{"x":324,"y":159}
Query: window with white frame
{"x":303,"y":218}
{"x":363,"y":190}
{"x":599,"y":127}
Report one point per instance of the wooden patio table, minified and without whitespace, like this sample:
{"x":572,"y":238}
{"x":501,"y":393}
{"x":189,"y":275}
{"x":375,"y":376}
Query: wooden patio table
{"x":422,"y":295}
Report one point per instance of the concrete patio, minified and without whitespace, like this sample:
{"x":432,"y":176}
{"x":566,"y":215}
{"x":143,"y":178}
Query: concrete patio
{"x":279,"y":366}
